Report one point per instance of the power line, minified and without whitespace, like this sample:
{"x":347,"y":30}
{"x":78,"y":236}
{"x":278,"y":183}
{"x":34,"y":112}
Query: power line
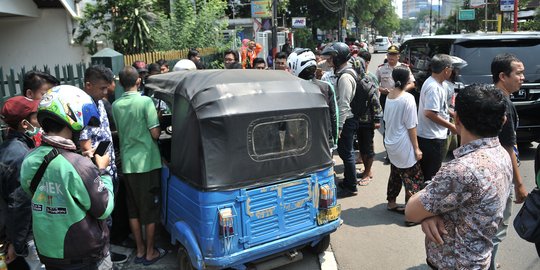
{"x":332,"y":6}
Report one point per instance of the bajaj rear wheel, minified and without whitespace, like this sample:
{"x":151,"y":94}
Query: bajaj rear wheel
{"x":183,"y":259}
{"x":322,"y":246}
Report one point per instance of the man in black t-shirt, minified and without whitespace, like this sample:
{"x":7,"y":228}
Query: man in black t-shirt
{"x":508,"y":75}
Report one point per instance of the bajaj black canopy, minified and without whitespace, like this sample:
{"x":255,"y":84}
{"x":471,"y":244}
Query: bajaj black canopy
{"x":238,"y":128}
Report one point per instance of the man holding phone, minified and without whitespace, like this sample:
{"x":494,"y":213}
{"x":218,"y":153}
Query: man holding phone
{"x":97,"y":80}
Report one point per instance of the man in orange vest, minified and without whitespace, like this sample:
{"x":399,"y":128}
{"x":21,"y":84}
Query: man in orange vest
{"x":249,"y":53}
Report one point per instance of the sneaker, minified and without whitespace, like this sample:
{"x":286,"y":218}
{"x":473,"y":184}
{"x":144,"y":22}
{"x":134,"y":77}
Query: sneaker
{"x":359,"y":174}
{"x":118,"y":258}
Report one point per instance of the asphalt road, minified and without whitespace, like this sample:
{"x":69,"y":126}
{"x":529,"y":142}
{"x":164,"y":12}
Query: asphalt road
{"x":373,"y":238}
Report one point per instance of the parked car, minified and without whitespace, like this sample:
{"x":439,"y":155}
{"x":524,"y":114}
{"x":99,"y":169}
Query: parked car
{"x":479,"y":50}
{"x":248,"y":177}
{"x":381,"y":44}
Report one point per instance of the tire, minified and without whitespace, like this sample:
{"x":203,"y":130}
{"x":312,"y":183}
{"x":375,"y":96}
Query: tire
{"x":184,"y":261}
{"x":322,"y":246}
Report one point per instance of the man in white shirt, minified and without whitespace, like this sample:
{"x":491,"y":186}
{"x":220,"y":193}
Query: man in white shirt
{"x":433,"y":116}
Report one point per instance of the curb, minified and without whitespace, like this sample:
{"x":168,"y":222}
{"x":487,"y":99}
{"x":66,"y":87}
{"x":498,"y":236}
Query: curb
{"x":327,"y":260}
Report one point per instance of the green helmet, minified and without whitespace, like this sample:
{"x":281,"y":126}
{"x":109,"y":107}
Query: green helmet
{"x":69,"y":105}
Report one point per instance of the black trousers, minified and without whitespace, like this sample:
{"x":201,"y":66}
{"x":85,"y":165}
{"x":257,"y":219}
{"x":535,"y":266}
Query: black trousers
{"x":432,"y":155}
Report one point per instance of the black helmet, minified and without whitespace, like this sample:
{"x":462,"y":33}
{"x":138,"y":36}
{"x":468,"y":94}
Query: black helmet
{"x":339,"y":51}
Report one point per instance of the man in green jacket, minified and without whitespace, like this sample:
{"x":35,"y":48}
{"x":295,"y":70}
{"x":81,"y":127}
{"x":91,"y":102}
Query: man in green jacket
{"x":71,"y":197}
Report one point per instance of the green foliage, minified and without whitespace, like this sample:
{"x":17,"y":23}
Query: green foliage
{"x":317,"y":16}
{"x":93,"y":26}
{"x":532,"y":25}
{"x":182,"y":24}
{"x":188,"y":27}
{"x":386,"y":20}
{"x":135,"y":33}
{"x":365,"y":10}
{"x":377,"y":14}
{"x":127,"y":23}
{"x":137,"y":26}
{"x":406,"y":26}
{"x":304,"y":39}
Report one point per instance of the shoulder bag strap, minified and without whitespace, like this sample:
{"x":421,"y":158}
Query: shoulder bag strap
{"x":41,"y":170}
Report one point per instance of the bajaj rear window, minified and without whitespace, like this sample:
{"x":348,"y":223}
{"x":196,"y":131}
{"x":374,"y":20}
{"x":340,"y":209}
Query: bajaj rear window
{"x":279,"y":137}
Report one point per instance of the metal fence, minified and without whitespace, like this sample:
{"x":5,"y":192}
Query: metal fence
{"x":11,"y":84}
{"x":11,"y":81}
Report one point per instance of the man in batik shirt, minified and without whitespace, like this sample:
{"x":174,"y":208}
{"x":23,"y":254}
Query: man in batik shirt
{"x":462,"y":206}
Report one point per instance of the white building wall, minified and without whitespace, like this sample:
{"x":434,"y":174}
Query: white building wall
{"x":44,"y":40}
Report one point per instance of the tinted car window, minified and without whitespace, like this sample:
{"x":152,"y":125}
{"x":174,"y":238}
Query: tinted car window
{"x":479,"y":55}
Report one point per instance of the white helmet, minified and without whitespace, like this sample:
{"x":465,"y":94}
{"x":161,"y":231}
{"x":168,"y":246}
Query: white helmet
{"x":184,"y":64}
{"x":458,"y":62}
{"x":299,"y":60}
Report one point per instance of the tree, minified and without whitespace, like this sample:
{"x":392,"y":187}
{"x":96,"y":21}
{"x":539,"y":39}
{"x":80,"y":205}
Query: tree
{"x":385,"y":20}
{"x":365,"y":10}
{"x":379,"y":15}
{"x":194,"y":26}
{"x":318,"y":17}
{"x":406,"y":26}
{"x":127,"y":23}
{"x":532,"y":25}
{"x":136,"y":26}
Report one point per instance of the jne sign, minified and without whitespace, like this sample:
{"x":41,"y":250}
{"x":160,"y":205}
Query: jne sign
{"x":299,"y":22}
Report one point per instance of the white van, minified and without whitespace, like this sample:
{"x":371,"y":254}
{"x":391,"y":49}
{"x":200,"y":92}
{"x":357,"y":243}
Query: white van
{"x":381,"y":44}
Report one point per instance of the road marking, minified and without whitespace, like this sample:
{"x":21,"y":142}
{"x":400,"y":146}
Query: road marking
{"x":327,"y":260}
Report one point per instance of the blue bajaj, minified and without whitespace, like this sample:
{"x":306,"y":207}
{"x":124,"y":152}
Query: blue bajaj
{"x":248,"y":178}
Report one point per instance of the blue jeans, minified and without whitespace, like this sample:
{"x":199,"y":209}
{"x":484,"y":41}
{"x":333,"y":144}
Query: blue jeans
{"x":346,"y":152}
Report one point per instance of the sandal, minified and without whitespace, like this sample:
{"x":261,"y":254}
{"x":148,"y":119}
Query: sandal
{"x":398,"y":209}
{"x":138,"y":259}
{"x":365,"y":181}
{"x":162,"y":254}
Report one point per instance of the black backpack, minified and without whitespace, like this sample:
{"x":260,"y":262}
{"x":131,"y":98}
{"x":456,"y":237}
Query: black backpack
{"x":365,"y":89}
{"x":527,"y":221}
{"x":359,"y":65}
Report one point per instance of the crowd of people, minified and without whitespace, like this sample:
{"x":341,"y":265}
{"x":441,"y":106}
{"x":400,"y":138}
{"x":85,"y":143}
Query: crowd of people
{"x":55,"y":130}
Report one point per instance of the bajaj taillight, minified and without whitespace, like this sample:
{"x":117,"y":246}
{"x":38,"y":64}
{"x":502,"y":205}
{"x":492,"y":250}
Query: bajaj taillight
{"x":226,"y":227}
{"x":326,"y":196}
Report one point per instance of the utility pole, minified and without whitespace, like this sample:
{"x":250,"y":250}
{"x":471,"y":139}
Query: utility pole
{"x":485,"y":19}
{"x":274,"y":28}
{"x":439,"y":14}
{"x":430,"y":15}
{"x":516,"y":3}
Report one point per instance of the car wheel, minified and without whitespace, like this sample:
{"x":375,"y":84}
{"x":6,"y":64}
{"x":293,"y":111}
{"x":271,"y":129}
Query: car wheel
{"x":183,"y":259}
{"x":322,"y":246}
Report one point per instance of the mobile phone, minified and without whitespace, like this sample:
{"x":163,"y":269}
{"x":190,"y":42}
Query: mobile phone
{"x":102,"y":148}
